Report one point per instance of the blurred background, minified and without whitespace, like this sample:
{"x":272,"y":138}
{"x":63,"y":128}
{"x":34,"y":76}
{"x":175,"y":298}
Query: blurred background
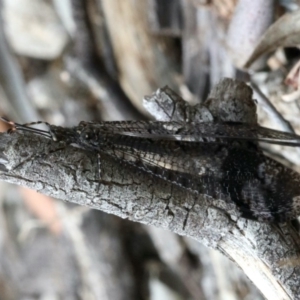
{"x":63,"y":61}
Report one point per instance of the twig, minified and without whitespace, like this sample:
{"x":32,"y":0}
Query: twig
{"x":268,"y":254}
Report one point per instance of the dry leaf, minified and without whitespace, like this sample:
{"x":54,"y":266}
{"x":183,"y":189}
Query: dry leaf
{"x":285,"y":32}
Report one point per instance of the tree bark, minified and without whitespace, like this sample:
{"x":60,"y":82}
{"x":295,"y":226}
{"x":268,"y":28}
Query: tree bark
{"x":268,"y":253}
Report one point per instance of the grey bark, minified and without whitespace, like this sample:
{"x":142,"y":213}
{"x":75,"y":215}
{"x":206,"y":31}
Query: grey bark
{"x":267,"y":253}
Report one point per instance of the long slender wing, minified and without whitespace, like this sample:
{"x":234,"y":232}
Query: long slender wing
{"x":195,"y":132}
{"x":190,"y":132}
{"x":192,"y":158}
{"x":234,"y":178}
{"x":184,"y":165}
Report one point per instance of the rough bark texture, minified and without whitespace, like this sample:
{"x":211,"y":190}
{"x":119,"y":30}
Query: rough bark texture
{"x":94,"y":60}
{"x":267,"y":253}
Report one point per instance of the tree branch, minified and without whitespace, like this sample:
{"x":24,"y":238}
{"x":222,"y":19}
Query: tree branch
{"x":267,"y":253}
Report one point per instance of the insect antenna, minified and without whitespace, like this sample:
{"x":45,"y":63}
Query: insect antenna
{"x":26,"y":127}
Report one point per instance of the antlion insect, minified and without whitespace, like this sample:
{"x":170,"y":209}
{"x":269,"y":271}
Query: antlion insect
{"x":221,"y":160}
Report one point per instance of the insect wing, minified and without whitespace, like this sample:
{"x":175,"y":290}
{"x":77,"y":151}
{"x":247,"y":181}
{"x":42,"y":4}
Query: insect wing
{"x":179,"y":169}
{"x":198,"y":132}
{"x":175,"y":156}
